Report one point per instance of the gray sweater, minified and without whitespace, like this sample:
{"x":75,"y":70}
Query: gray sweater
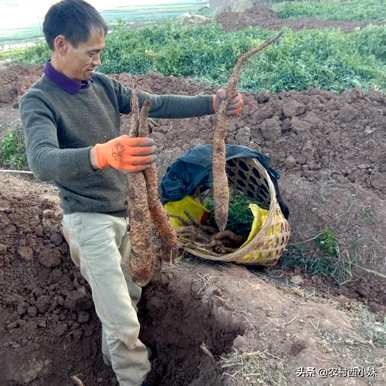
{"x":60,"y":129}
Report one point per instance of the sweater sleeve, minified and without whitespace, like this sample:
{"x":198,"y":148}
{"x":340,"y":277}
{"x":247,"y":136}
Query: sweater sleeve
{"x":47,"y":161}
{"x":166,"y":106}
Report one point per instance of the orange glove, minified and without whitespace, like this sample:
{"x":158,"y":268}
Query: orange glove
{"x":235,"y":105}
{"x":132,"y":154}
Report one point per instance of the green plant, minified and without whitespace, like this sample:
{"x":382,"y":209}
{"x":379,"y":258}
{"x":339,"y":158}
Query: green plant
{"x":240,"y":217}
{"x":333,"y":10}
{"x":12,"y":151}
{"x":324,"y":261}
{"x":328,"y":243}
{"x":325,"y":59}
{"x":316,"y":265}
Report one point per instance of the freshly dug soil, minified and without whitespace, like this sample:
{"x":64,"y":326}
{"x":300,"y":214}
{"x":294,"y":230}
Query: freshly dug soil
{"x":15,"y":80}
{"x":261,"y":16}
{"x":326,"y":146}
{"x":330,"y":150}
{"x":206,"y":324}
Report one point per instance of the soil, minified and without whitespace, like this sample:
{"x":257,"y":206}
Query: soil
{"x":330,"y":150}
{"x":15,"y":80}
{"x":261,"y":16}
{"x":217,"y":324}
{"x":206,"y":324}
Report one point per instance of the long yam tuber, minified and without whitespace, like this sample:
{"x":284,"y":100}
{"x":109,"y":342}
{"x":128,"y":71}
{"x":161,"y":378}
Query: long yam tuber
{"x":145,"y":208}
{"x":220,"y":179}
{"x":157,"y":211}
{"x":142,"y":259}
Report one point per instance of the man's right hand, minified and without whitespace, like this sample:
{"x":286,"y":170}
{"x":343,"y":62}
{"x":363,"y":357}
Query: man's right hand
{"x":132,"y":154}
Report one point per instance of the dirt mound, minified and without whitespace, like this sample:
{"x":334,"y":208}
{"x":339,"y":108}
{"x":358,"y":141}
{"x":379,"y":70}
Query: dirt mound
{"x":247,"y":331}
{"x":266,"y":18}
{"x":15,"y":80}
{"x":330,"y":150}
{"x":207,"y":324}
{"x":45,"y":304}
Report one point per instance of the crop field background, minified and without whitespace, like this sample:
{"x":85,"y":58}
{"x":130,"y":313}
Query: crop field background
{"x":329,"y":59}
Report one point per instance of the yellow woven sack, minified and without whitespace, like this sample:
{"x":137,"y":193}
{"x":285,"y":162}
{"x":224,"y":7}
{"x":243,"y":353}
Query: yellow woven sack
{"x":259,"y":217}
{"x":177,"y":208}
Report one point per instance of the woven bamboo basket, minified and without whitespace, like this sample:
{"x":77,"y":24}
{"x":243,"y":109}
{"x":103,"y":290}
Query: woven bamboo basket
{"x":248,"y":176}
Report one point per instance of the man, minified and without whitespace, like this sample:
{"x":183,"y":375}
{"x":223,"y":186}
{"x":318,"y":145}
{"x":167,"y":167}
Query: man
{"x":71,"y":119}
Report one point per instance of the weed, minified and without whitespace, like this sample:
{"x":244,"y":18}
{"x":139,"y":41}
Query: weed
{"x":12,"y":151}
{"x":325,"y":260}
{"x":373,"y":330}
{"x":333,"y":10}
{"x":328,"y":243}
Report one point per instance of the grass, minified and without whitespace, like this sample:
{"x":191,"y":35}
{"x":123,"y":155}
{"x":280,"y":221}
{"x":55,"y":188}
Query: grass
{"x":11,"y":54}
{"x":12,"y":151}
{"x":253,"y":368}
{"x":347,"y":10}
{"x":320,"y":256}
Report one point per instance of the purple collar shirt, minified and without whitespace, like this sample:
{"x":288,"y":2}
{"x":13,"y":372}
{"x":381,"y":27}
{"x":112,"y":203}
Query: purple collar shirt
{"x":64,"y":82}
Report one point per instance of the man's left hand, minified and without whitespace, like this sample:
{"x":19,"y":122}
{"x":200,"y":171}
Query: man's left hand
{"x":235,"y":105}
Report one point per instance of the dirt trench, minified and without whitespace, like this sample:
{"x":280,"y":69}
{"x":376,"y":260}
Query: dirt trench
{"x":49,"y":330}
{"x":186,"y":332}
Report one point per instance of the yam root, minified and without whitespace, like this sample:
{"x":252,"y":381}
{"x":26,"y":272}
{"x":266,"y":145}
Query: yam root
{"x":193,"y":234}
{"x":133,"y":129}
{"x":206,"y":237}
{"x":145,"y":208}
{"x":234,"y":239}
{"x":220,"y":179}
{"x":192,"y":225}
{"x":157,"y":211}
{"x":142,"y":259}
{"x":141,"y":262}
{"x":205,"y":228}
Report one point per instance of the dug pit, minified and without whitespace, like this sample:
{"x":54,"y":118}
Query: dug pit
{"x":49,"y":330}
{"x":206,"y":323}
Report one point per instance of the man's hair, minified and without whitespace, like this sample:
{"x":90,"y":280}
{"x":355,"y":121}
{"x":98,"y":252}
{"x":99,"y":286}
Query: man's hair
{"x":74,"y":19}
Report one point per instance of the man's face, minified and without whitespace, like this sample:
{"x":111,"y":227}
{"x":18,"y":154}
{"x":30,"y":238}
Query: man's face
{"x":78,"y":62}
